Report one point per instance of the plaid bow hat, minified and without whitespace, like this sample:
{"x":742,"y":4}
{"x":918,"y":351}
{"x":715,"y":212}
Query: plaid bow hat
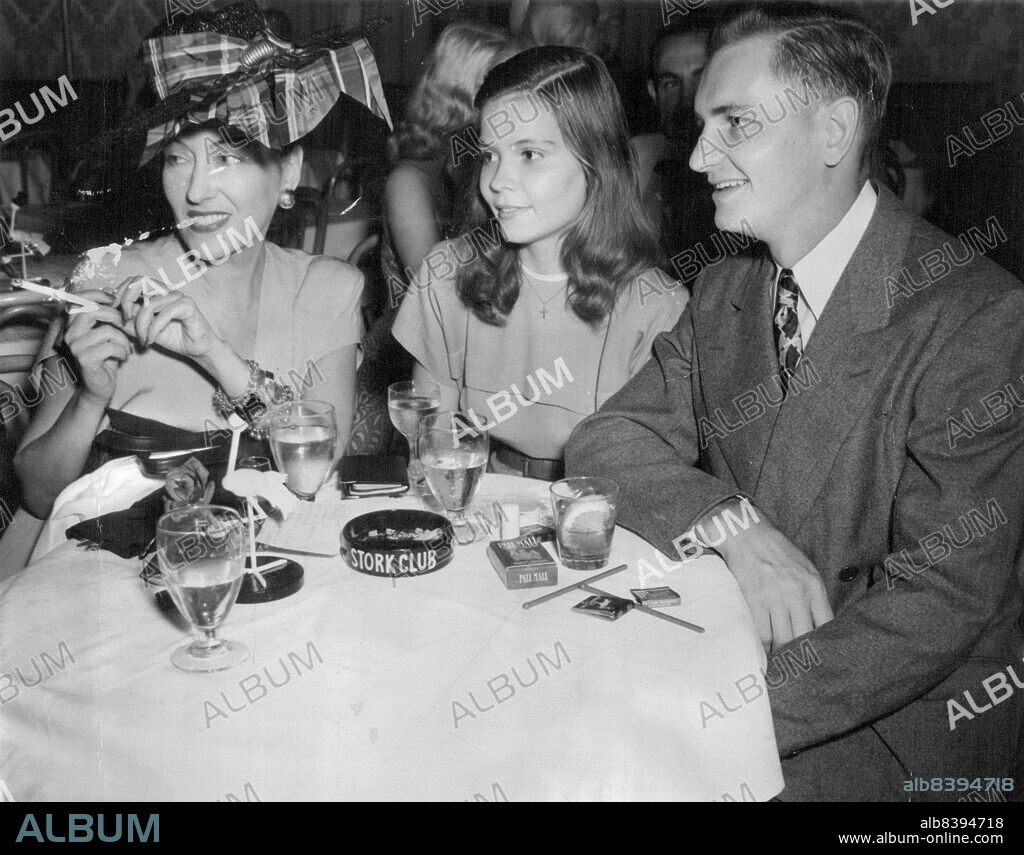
{"x":227,"y":66}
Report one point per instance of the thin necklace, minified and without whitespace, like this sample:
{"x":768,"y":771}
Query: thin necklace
{"x":545,"y":277}
{"x":560,"y":278}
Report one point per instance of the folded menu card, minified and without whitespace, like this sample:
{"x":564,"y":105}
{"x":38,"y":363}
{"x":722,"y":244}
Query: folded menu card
{"x":311,"y":527}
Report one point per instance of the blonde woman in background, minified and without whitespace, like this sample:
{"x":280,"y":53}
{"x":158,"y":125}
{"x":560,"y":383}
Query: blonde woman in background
{"x":420,"y":200}
{"x":422,"y":190}
{"x":577,"y":23}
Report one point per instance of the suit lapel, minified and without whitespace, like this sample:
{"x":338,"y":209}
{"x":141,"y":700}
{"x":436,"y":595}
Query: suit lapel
{"x":736,"y":350}
{"x":842,"y":365}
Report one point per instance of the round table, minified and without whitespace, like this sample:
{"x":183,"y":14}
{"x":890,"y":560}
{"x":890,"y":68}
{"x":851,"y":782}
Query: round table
{"x":363,"y":688}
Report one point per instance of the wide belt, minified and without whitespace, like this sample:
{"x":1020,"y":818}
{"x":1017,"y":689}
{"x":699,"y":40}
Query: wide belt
{"x":129,"y":434}
{"x":542,"y":468}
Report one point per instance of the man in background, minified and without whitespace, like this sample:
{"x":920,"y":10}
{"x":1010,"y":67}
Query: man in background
{"x":678,"y":200}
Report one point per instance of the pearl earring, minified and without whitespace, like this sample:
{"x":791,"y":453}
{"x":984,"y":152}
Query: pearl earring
{"x":286,"y":199}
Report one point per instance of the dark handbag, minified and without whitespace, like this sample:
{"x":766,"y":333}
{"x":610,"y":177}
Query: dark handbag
{"x":129,"y":533}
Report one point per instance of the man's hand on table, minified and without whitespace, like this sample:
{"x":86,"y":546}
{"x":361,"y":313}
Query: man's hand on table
{"x":780,"y":584}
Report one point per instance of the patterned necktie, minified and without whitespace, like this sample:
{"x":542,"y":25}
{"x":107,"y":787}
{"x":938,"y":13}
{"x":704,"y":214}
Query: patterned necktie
{"x":788,"y":340}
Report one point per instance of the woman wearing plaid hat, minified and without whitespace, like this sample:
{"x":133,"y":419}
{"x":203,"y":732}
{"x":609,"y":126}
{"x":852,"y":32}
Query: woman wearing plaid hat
{"x":213,"y":319}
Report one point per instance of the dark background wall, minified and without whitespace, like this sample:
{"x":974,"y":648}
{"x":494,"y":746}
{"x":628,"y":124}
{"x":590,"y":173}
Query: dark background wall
{"x":951,"y":68}
{"x":972,"y":40}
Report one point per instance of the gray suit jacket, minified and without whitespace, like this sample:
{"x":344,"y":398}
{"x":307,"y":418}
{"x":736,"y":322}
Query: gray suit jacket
{"x":913,"y":524}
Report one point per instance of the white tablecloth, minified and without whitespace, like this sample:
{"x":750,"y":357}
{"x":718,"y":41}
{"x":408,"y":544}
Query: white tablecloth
{"x":436,"y":687}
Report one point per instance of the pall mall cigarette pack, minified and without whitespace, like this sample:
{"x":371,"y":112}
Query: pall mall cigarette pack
{"x":523,"y":562}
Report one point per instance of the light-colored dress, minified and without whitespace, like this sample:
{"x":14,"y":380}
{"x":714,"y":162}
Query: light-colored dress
{"x":308,"y":308}
{"x":538,"y":376}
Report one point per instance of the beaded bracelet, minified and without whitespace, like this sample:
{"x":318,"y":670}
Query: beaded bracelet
{"x":261,"y":393}
{"x":225,"y":405}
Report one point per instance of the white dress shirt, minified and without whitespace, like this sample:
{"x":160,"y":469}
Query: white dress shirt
{"x":818,"y":272}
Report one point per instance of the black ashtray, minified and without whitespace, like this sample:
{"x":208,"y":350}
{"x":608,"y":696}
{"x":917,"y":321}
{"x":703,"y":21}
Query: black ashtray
{"x":281,"y":582}
{"x":394,"y":543}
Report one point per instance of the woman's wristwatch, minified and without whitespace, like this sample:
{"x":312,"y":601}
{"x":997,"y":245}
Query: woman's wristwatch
{"x":253,"y":405}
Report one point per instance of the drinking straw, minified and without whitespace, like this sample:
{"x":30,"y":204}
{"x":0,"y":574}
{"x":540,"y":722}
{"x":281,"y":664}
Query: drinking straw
{"x":236,"y":435}
{"x":646,"y":609}
{"x":273,"y":565}
{"x":531,"y":603}
{"x":252,"y":543}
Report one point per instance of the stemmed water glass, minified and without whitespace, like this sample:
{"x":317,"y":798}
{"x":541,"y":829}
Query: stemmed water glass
{"x":454,"y":454}
{"x":201,"y":553}
{"x":303,"y":437}
{"x":409,"y":402}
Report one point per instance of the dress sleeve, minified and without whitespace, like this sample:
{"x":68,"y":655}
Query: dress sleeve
{"x":104,"y":268}
{"x":327,"y":306}
{"x":659,"y":301}
{"x":99,"y":269}
{"x":431,"y":322}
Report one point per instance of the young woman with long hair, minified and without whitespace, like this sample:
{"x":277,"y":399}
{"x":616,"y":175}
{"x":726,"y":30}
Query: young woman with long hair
{"x":551,"y":300}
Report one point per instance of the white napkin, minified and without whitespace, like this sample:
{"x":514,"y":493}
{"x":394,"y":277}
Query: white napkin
{"x":116,"y":485}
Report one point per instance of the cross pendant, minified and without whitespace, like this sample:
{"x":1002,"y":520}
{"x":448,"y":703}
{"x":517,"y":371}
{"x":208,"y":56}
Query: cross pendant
{"x":544,"y":311}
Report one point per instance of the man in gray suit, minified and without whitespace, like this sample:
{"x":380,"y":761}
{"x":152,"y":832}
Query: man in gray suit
{"x":860,"y":383}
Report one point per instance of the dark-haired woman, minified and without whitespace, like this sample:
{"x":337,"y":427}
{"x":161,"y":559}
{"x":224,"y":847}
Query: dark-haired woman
{"x":552,"y":299}
{"x":212,"y":320}
{"x":163,"y":344}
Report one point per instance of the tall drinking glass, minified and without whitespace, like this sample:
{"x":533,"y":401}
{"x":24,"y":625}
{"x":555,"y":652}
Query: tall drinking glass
{"x":454,"y":454}
{"x":408,"y":403}
{"x":303,"y":437}
{"x":201,"y":553}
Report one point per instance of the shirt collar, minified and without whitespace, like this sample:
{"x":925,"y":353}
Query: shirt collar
{"x":818,"y":272}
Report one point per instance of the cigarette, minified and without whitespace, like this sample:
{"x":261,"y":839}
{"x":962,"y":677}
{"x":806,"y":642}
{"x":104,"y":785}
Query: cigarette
{"x":273,"y":565}
{"x":507,"y":514}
